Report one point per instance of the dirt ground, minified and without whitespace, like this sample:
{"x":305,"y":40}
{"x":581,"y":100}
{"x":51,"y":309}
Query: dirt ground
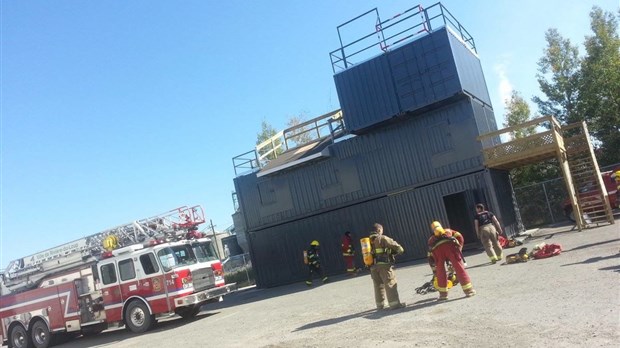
{"x":569,"y":300}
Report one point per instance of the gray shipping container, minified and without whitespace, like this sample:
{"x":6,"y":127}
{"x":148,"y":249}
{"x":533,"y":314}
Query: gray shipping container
{"x":277,"y":251}
{"x":413,"y":152}
{"x":417,"y":76}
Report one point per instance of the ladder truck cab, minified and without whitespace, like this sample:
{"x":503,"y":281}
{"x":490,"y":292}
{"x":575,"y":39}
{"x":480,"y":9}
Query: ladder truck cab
{"x":130,"y":275}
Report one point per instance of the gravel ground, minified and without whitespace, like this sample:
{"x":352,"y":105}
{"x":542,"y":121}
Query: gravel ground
{"x":569,"y":300}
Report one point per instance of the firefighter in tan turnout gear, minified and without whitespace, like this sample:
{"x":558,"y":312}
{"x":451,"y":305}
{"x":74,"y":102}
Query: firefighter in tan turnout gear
{"x":382,"y":271}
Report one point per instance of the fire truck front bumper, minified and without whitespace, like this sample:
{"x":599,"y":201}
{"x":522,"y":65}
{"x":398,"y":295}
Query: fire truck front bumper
{"x":203,"y":296}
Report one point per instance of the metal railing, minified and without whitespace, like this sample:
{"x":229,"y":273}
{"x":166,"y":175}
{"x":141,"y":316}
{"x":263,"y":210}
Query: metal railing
{"x":330,"y":125}
{"x":409,"y":24}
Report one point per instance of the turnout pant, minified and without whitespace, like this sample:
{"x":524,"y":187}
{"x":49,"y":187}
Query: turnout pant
{"x":488,"y":237}
{"x":316,"y":268}
{"x":349,"y":260}
{"x":384,"y":282}
{"x":452,"y":253}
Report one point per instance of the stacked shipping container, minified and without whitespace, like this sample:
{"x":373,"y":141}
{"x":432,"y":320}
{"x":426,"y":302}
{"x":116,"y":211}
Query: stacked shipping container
{"x":417,"y":111}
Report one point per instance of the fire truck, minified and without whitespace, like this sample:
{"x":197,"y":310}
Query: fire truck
{"x":130,"y":275}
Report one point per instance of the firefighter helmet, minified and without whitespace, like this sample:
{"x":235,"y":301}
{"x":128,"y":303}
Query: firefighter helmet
{"x":314,"y":243}
{"x":437,"y":229}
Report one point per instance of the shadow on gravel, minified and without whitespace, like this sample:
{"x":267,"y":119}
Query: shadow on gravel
{"x":114,"y":336}
{"x":373,"y":314}
{"x":546,"y":236}
{"x":593,"y":260}
{"x":333,"y":321}
{"x":592,"y":244}
{"x":480,"y":265}
{"x":610,"y":268}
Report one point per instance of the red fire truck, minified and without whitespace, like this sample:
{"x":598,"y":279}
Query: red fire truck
{"x":129,"y":275}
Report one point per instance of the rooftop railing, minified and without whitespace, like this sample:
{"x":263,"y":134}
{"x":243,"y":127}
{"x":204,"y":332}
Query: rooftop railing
{"x":409,"y":24}
{"x":330,"y":125}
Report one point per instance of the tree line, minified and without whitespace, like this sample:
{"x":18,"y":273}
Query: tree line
{"x":576,"y":88}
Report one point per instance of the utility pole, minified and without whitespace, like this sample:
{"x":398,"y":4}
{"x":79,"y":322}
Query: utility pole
{"x":217,"y":245}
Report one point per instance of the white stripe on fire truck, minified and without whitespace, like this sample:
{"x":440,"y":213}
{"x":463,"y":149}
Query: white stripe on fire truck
{"x":66,"y":294}
{"x":151,"y":298}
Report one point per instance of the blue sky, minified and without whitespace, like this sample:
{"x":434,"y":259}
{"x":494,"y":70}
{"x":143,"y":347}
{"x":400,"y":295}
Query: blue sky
{"x":118,"y":110}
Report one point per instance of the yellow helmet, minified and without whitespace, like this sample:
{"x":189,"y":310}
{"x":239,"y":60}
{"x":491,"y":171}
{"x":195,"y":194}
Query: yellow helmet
{"x":314,"y":243}
{"x":437,"y":229}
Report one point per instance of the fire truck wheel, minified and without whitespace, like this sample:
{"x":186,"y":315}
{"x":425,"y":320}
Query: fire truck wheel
{"x":18,"y":338}
{"x":188,"y":312}
{"x":138,"y":318}
{"x":40,"y":334}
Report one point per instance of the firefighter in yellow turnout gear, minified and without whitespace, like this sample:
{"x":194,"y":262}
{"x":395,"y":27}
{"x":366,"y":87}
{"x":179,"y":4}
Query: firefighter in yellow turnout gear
{"x":382,"y":271}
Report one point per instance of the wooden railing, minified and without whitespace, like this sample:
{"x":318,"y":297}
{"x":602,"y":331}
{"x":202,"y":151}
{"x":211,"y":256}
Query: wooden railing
{"x":532,"y":148}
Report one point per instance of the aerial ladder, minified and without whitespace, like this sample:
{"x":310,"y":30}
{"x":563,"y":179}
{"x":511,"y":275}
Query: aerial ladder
{"x":25,"y":273}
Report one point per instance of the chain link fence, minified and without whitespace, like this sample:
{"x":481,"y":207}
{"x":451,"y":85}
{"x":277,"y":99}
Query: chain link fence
{"x":543,"y":203}
{"x":238,"y":269}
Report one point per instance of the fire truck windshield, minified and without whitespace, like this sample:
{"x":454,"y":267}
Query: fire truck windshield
{"x":204,"y":251}
{"x":176,"y":256}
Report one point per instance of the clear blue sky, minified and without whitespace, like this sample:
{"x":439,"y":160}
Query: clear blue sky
{"x":118,"y":110}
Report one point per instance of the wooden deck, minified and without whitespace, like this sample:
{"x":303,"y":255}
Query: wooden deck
{"x":526,"y":150}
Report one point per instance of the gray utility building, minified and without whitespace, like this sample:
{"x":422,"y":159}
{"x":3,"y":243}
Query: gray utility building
{"x":402,"y":151}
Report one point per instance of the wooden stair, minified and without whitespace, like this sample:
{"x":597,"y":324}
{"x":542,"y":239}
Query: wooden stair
{"x":586,"y":175}
{"x":572,"y":147}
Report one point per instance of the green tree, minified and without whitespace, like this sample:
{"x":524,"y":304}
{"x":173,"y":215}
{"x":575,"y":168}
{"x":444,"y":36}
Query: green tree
{"x":299,"y":134}
{"x":599,"y":91}
{"x":518,"y":112}
{"x":558,"y":78}
{"x":267,"y":132}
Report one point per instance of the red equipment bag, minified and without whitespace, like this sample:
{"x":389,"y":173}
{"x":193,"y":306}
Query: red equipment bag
{"x":548,"y":251}
{"x":503,"y":242}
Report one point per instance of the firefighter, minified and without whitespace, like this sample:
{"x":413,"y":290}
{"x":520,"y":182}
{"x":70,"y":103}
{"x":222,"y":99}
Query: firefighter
{"x":314,"y":264}
{"x":348,"y":253}
{"x":442,"y":247}
{"x":449,"y":268}
{"x":488,"y":229}
{"x":384,"y":249}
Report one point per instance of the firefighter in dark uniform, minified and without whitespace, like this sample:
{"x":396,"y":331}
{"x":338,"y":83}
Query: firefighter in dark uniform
{"x":382,"y":271}
{"x":314,"y":263}
{"x":488,"y":229}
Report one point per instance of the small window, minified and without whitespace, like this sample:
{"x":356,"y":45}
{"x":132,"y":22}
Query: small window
{"x":149,"y":263}
{"x":126,"y":269}
{"x":108,"y":274}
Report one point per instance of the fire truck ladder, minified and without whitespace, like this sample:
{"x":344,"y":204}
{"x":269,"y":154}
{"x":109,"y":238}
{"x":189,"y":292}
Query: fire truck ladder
{"x":175,"y":224}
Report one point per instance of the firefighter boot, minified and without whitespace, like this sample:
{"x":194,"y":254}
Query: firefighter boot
{"x":309,"y":282}
{"x":325,"y":279}
{"x":443,"y":296}
{"x":470,"y":292}
{"x":399,"y":306}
